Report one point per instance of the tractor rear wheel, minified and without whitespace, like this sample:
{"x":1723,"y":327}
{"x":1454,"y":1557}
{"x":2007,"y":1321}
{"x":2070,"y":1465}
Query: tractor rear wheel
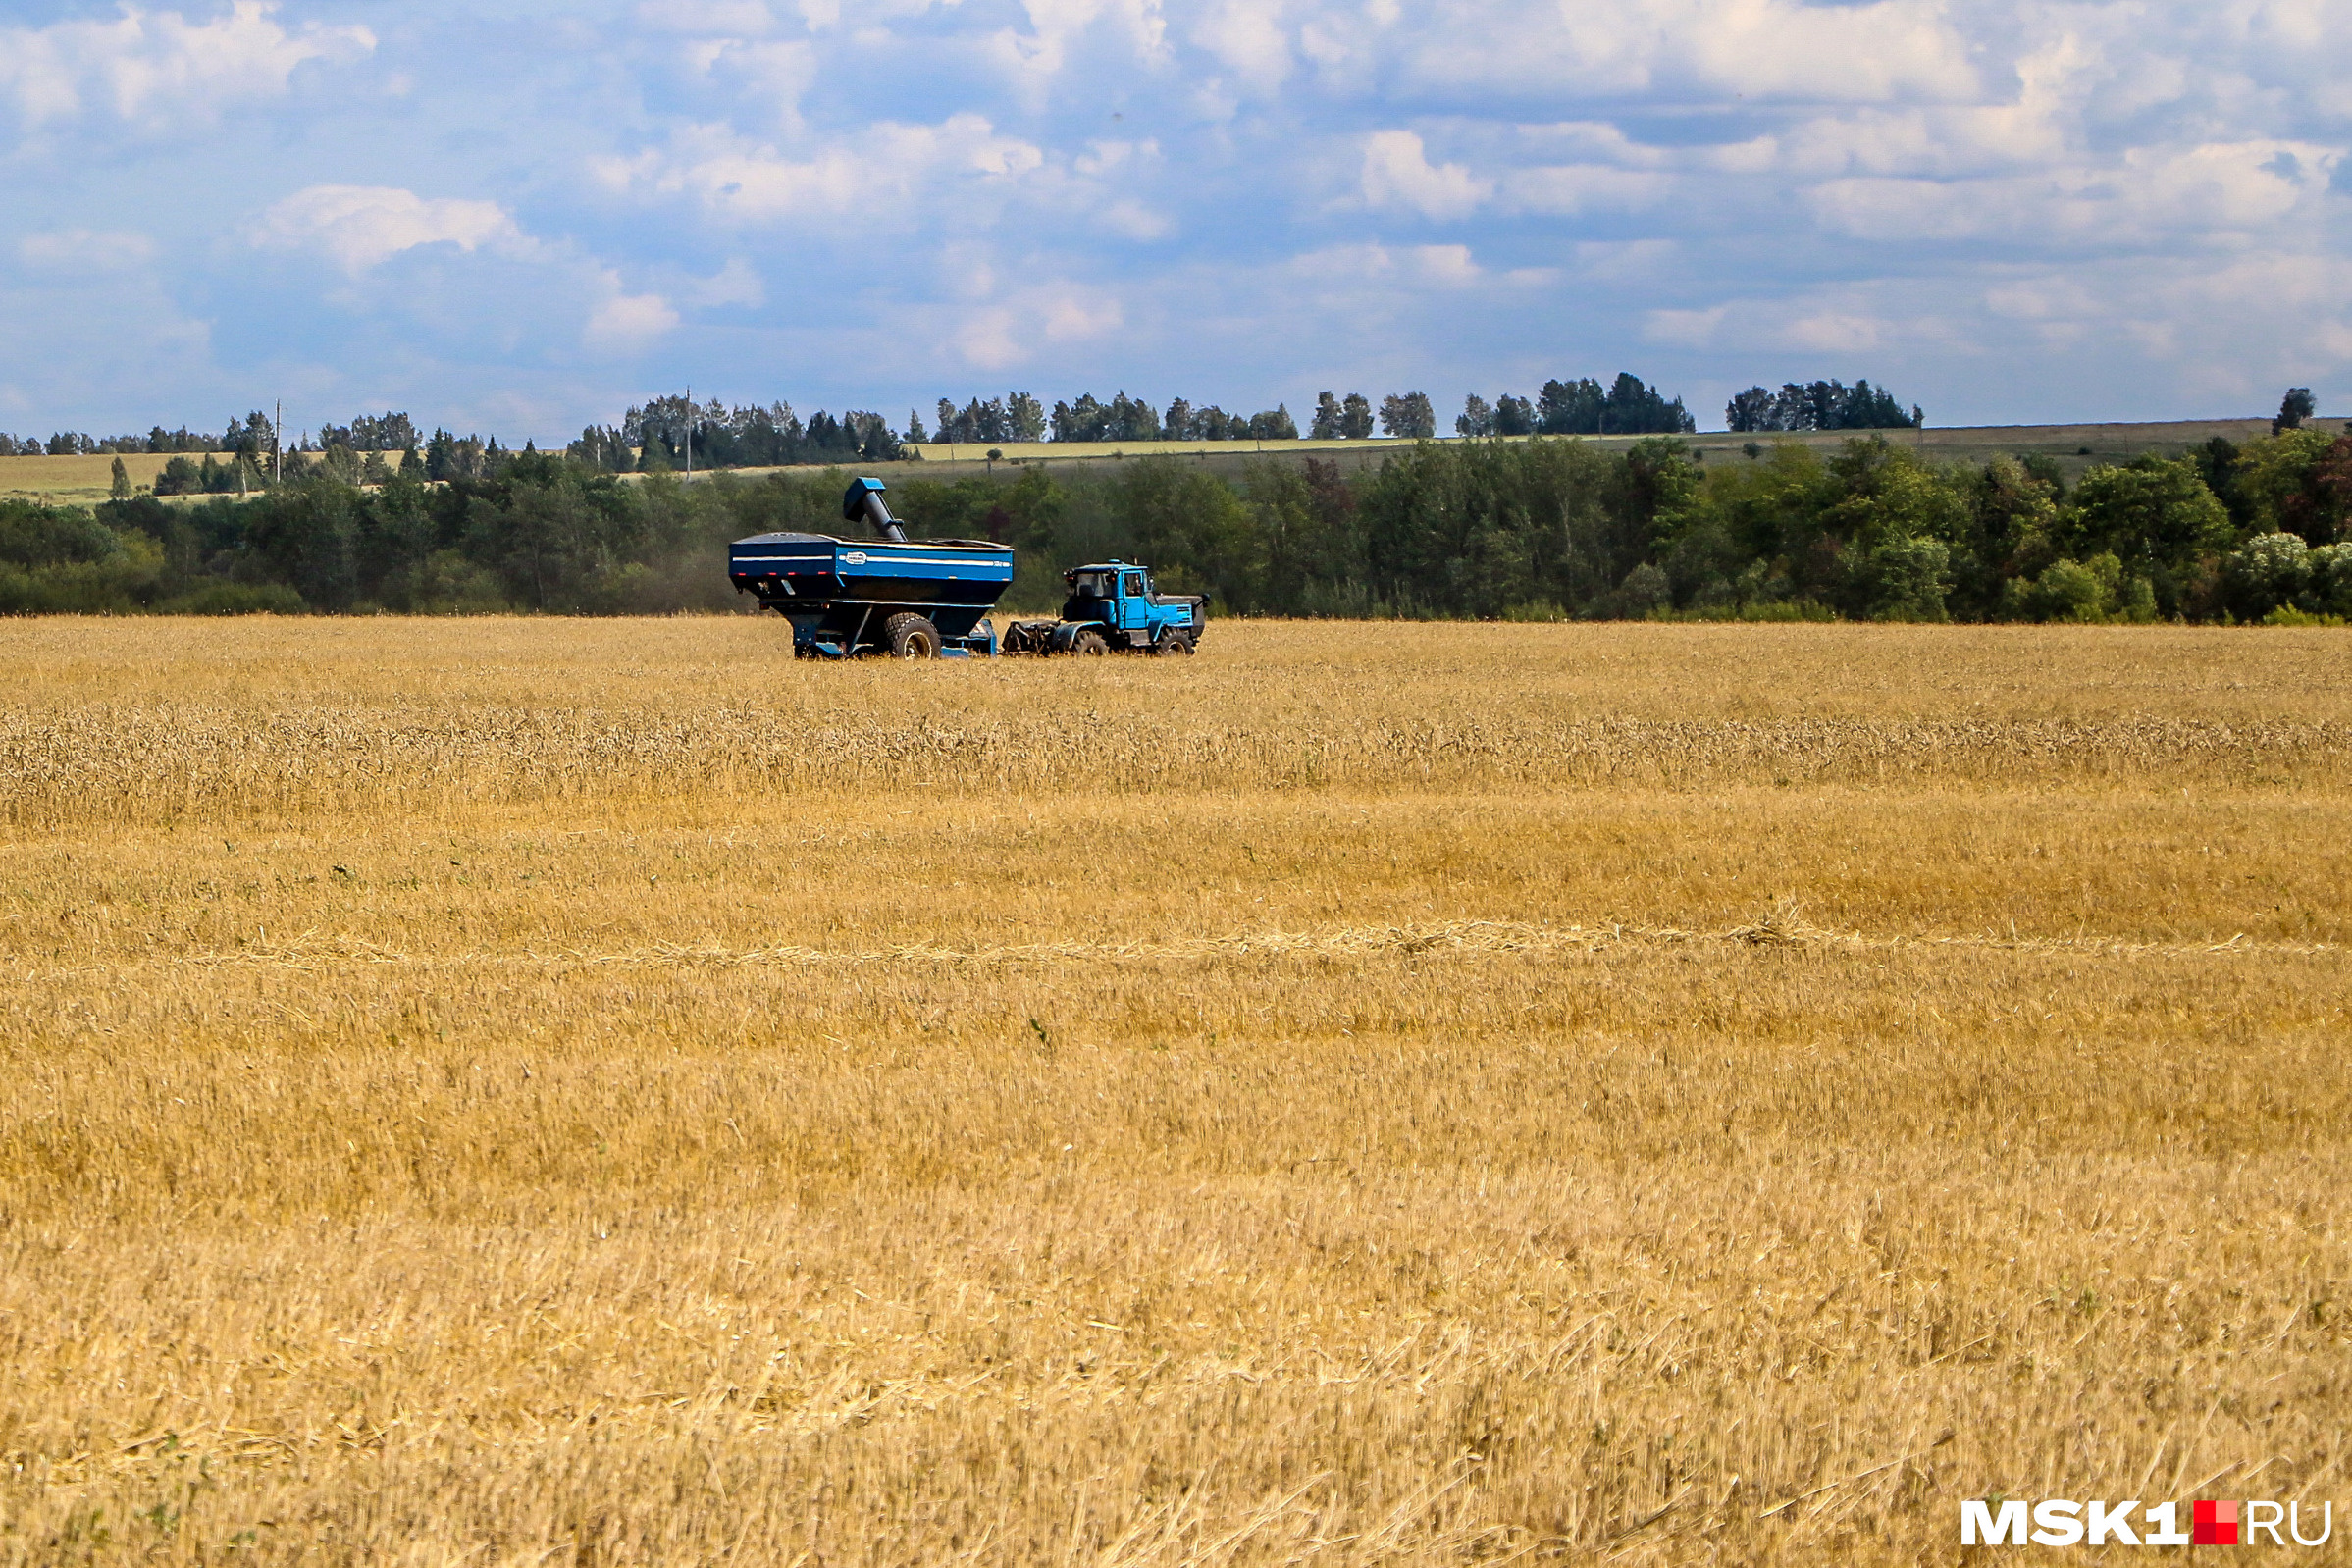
{"x":911,"y":636}
{"x":1090,"y":643}
{"x":1174,"y":644}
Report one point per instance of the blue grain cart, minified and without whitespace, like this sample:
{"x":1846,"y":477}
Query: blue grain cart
{"x":930,"y":599}
{"x":917,"y":599}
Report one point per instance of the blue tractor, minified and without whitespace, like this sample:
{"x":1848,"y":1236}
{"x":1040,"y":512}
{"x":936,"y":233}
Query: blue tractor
{"x":929,"y":599}
{"x":1112,"y":608}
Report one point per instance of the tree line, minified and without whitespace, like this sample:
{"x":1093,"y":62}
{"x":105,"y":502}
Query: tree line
{"x":676,"y":433}
{"x":1540,"y":529}
{"x":1819,"y":405}
{"x":1627,"y":406}
{"x":254,"y":433}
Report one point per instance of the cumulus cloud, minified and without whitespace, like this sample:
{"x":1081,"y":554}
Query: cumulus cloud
{"x":1247,"y":38}
{"x":1131,"y":218}
{"x":86,"y":250}
{"x":1567,"y":189}
{"x":736,"y":283}
{"x":2144,"y":196}
{"x":886,"y":163}
{"x":626,"y":324}
{"x":1744,"y":190}
{"x":1352,"y":269}
{"x":1131,"y":31}
{"x":361,"y":226}
{"x":1769,"y":49}
{"x":1397,"y":173}
{"x":737,"y":17}
{"x":151,"y":66}
{"x":1012,"y":332}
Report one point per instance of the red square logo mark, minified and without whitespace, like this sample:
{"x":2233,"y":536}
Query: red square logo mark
{"x":2213,"y":1524}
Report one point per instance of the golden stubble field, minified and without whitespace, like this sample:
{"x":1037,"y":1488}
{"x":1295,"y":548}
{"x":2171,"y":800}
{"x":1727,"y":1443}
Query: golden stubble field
{"x":79,"y":479}
{"x":510,"y":1091}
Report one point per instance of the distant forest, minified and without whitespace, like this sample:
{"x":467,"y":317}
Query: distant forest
{"x":1540,"y":529}
{"x":671,"y":434}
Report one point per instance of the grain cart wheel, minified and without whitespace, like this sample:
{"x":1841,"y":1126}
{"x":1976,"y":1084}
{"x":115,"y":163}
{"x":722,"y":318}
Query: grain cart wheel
{"x":1174,"y":644}
{"x":911,"y":636}
{"x":1090,"y":643}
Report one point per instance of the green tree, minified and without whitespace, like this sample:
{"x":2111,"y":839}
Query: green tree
{"x":2299,"y":483}
{"x":1355,"y":418}
{"x":304,"y":535}
{"x":1025,"y":416}
{"x":1569,"y":408}
{"x":1476,"y":528}
{"x":2156,"y":515}
{"x":1325,"y":426}
{"x":2329,"y":571}
{"x":1305,"y":516}
{"x":2012,"y":510}
{"x":2265,"y":574}
{"x":1408,"y":416}
{"x":2294,"y":409}
{"x":1633,"y":408}
{"x":1892,"y":531}
{"x":121,"y":488}
{"x":1193,"y":530}
{"x":2084,"y":591}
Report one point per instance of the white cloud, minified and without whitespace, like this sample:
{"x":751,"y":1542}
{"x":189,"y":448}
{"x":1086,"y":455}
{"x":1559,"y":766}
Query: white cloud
{"x":1834,"y":331}
{"x":1447,"y":264}
{"x":1685,"y":328}
{"x":887,"y":164}
{"x":735,"y":18}
{"x":1347,"y":269}
{"x":1398,"y":173}
{"x":2146,"y":196}
{"x":1103,"y":157}
{"x":1563,"y":190}
{"x":151,"y":66}
{"x":1907,"y":188}
{"x":626,"y":324}
{"x":1075,"y":313}
{"x":735,"y":285}
{"x":775,"y":73}
{"x":1056,"y":27}
{"x":1005,"y":333}
{"x":1246,"y":36}
{"x":1765,"y":49}
{"x":86,"y":250}
{"x":990,"y":339}
{"x":1624,"y":260}
{"x":360,"y":227}
{"x":1137,"y":221}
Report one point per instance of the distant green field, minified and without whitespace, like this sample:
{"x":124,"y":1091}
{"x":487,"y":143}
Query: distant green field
{"x":2076,"y":448}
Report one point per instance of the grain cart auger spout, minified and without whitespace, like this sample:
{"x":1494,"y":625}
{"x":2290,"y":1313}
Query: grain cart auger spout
{"x":930,"y":597}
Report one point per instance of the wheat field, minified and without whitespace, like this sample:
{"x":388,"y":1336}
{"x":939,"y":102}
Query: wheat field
{"x":566,"y":1091}
{"x":79,"y":479}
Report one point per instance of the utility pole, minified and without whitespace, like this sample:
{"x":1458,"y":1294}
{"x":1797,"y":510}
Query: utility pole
{"x":278,"y":447}
{"x":690,"y":434}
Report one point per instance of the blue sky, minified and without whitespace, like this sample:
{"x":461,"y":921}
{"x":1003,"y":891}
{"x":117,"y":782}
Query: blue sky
{"x":520,"y":218}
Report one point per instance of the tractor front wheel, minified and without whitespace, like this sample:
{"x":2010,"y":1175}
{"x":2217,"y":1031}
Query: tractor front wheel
{"x":1174,"y":644}
{"x":1090,"y":643}
{"x":911,"y":636}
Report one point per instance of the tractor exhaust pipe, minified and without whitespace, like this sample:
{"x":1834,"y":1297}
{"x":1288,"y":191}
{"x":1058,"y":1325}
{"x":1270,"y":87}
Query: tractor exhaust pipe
{"x":862,"y":502}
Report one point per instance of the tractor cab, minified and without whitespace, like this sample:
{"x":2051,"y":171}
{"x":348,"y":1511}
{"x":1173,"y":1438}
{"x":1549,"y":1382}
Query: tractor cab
{"x":1118,"y":598}
{"x":1093,"y":594}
